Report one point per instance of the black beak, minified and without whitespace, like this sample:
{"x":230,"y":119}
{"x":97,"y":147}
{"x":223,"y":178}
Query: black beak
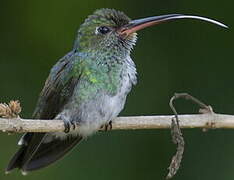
{"x":136,"y":25}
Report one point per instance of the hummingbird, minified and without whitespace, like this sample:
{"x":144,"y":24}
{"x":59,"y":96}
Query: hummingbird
{"x":87,"y":88}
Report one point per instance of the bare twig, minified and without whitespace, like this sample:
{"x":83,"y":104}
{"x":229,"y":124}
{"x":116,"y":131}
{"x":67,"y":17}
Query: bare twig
{"x":208,"y":121}
{"x":177,"y":138}
{"x":176,"y":133}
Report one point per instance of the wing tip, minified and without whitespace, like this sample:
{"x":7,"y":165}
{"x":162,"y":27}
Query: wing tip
{"x":24,"y":173}
{"x":7,"y":171}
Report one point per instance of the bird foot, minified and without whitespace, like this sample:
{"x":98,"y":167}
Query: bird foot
{"x":108,"y":126}
{"x":68,"y":125}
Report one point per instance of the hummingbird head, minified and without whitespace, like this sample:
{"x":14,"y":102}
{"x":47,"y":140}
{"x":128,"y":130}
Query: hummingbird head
{"x":101,"y":31}
{"x":109,"y":29}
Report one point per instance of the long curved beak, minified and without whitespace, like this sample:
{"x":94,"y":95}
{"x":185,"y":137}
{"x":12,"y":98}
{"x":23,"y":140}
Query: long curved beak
{"x":136,"y":25}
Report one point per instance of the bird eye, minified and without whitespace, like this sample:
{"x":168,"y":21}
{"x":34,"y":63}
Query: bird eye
{"x":103,"y":29}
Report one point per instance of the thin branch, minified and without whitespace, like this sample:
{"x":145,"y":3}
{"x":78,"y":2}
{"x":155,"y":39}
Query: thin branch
{"x":206,"y":121}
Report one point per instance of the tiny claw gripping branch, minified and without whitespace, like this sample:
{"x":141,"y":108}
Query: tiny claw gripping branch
{"x":177,"y":136}
{"x":106,"y":127}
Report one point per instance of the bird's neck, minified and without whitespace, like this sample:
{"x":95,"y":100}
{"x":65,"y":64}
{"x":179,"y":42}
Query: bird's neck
{"x":105,"y":55}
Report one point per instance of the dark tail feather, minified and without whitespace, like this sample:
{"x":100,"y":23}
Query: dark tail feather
{"x":48,"y":153}
{"x":16,"y":160}
{"x":30,"y":142}
{"x":41,"y":151}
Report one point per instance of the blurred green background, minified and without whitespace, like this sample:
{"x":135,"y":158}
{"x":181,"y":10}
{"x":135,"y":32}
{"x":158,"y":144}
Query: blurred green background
{"x":182,"y":56}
